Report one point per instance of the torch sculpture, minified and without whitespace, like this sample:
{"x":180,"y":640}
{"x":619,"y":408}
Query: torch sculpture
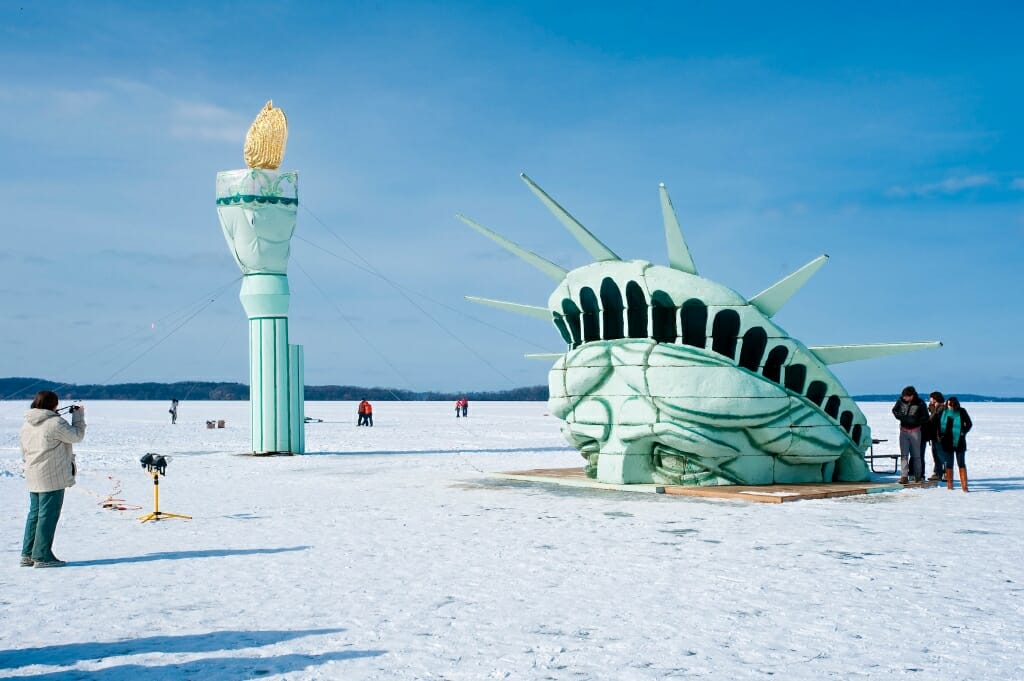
{"x":257,"y":208}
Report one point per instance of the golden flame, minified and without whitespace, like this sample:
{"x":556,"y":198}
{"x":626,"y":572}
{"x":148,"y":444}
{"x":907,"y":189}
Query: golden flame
{"x":264,"y":144}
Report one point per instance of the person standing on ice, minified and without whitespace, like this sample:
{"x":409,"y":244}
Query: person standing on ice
{"x":465,"y":407}
{"x":930,"y":433}
{"x":173,"y":411}
{"x":46,"y":441}
{"x":912,"y":413}
{"x":458,"y":408}
{"x":953,"y":429}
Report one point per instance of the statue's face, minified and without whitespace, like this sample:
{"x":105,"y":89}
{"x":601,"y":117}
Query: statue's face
{"x":695,"y":418}
{"x":692,"y":384}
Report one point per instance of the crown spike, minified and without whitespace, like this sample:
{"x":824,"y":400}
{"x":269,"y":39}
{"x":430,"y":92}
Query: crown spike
{"x":590,"y":242}
{"x":546,"y":266}
{"x":837,"y":354}
{"x":678,"y":254}
{"x":771,"y":300}
{"x":534,"y":311}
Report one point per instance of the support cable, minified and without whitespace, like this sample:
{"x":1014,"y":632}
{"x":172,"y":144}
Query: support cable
{"x":377,"y":350}
{"x":215,"y":293}
{"x":402,"y":291}
{"x":420,"y":294}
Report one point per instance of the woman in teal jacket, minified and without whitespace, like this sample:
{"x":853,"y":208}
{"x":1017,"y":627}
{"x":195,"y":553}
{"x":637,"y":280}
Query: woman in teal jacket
{"x":953,"y":428}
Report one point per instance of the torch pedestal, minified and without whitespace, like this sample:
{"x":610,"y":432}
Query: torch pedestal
{"x":257,"y":214}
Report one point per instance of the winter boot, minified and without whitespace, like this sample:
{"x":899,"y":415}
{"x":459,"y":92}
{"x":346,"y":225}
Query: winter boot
{"x":963,"y":479}
{"x":949,"y":478}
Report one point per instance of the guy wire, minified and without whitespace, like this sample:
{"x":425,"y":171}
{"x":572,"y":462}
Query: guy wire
{"x":217,"y":292}
{"x":398,"y":286}
{"x":401,"y":290}
{"x":171,"y":332}
{"x":370,"y":269}
{"x":352,"y":326}
{"x":376,"y":350}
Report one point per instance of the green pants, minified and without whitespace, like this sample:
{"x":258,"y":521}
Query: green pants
{"x":41,"y":525}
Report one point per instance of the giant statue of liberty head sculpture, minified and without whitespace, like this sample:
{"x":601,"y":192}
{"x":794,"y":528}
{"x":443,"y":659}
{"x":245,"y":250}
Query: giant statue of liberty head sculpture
{"x":673,"y":378}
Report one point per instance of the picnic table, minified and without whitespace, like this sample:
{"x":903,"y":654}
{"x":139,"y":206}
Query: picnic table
{"x":871,"y":456}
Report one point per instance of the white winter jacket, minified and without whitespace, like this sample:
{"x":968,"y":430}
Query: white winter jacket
{"x":46,"y":449}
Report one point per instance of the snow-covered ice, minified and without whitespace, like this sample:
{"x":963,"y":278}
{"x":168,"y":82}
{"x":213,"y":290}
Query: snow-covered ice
{"x":388,"y":553}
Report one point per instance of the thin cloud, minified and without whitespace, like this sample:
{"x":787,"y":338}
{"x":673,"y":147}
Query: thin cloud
{"x":197,"y":120}
{"x":1018,"y":184}
{"x":118,"y":103}
{"x":74,"y":102}
{"x":947,"y":187}
{"x":147,"y":258}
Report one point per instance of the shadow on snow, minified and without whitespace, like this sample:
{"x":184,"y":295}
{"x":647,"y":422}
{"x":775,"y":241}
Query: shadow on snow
{"x":495,"y":450}
{"x":71,"y":653}
{"x":208,"y":669}
{"x":179,"y":555}
{"x":993,"y":484}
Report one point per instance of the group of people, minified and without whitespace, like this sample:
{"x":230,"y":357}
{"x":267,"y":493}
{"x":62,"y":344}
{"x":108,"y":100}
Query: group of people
{"x":944,"y":423}
{"x":46,"y":440}
{"x":365,"y":413}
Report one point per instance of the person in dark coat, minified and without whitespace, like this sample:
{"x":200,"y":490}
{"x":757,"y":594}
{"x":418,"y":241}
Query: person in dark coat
{"x":953,"y":429}
{"x":912,"y":413}
{"x":930,"y":433}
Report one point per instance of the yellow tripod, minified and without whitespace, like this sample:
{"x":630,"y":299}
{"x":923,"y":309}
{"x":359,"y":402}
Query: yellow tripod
{"x":157,"y":514}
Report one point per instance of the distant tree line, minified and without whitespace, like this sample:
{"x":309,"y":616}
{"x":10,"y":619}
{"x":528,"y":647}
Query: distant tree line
{"x":963,"y":397}
{"x":26,"y":388}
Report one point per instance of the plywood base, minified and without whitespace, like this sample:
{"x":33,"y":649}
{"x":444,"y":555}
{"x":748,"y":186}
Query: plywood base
{"x":770,"y":494}
{"x":574,"y":477}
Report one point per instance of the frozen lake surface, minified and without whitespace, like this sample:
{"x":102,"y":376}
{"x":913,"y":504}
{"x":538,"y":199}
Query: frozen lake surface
{"x":388,"y":553}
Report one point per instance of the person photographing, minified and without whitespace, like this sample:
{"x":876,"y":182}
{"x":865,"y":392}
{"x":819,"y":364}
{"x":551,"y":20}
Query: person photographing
{"x":46,"y":440}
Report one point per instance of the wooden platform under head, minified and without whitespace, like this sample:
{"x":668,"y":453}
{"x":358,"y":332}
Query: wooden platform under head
{"x":770,"y":494}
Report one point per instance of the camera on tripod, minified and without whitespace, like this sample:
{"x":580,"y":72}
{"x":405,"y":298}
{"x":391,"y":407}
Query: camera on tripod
{"x":157,"y":465}
{"x":155,"y":462}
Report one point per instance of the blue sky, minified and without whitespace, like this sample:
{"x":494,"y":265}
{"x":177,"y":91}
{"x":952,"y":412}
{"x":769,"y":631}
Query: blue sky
{"x":886,"y":135}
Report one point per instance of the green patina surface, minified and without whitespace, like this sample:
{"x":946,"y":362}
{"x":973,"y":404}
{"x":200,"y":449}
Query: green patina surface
{"x":257,"y":214}
{"x":256,"y":198}
{"x":669,"y":377}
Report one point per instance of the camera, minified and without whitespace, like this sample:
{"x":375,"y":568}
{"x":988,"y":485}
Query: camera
{"x":155,"y":462}
{"x":75,"y":407}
